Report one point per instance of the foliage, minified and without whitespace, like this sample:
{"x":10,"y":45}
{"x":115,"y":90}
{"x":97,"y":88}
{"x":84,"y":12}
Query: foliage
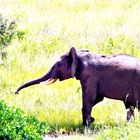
{"x":7,"y":33}
{"x":15,"y":125}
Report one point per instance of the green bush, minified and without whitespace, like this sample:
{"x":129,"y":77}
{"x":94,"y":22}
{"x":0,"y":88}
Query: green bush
{"x":15,"y":125}
{"x":8,"y":31}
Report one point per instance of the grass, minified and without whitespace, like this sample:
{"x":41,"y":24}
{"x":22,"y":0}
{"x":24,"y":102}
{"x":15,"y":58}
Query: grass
{"x":51,"y":28}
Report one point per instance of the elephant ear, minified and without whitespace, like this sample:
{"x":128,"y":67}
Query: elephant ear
{"x":74,"y":61}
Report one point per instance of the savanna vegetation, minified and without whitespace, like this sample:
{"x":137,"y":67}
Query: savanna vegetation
{"x":33,"y":34}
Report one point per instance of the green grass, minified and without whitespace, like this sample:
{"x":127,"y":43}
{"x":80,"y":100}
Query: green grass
{"x":51,"y":28}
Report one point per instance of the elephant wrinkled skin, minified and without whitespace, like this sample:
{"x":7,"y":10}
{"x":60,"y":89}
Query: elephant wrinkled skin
{"x":114,"y":76}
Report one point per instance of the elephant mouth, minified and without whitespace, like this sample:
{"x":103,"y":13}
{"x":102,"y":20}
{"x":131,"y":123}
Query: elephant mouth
{"x":50,"y":81}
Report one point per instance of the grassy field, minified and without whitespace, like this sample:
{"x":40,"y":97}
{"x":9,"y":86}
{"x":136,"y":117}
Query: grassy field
{"x":51,"y":27}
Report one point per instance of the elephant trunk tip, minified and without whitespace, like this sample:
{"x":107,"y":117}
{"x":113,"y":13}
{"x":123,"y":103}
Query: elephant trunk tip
{"x":16,"y":92}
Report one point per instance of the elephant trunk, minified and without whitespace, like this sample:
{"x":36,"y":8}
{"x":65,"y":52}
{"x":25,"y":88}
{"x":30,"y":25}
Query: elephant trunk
{"x":46,"y":77}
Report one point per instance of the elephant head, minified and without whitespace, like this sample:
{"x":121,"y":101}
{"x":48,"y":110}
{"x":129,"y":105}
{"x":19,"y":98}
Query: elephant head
{"x":63,"y":69}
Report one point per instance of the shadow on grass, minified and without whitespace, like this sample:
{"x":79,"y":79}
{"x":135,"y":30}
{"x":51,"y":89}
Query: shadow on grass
{"x":77,"y":128}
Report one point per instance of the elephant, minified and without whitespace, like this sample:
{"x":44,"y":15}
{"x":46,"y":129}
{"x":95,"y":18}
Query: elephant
{"x":115,"y":76}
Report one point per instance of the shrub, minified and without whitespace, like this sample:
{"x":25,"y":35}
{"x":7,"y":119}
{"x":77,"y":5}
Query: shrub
{"x":15,"y":125}
{"x":7,"y":33}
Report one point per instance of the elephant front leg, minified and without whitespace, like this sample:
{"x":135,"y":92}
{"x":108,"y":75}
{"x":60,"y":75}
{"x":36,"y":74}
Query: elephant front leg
{"x":86,"y":113}
{"x":89,"y":98}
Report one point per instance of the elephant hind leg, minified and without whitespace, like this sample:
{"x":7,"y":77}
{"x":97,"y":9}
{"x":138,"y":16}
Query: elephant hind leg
{"x":130,"y":113}
{"x":130,"y":110}
{"x":138,"y":103}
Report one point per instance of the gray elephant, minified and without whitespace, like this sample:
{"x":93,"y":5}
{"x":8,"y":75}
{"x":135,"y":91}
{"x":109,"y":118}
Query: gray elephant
{"x":113,"y":76}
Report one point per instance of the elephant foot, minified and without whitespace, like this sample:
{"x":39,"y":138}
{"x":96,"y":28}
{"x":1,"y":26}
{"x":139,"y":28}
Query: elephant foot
{"x":130,"y":114}
{"x":92,"y":120}
{"x":88,"y":121}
